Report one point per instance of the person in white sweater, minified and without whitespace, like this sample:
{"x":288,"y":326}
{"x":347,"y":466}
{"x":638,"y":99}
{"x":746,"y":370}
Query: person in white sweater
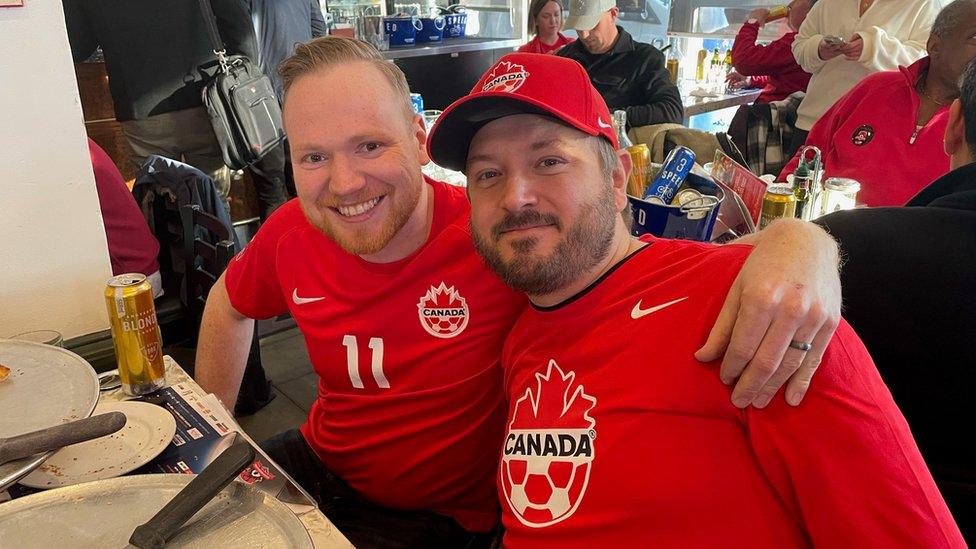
{"x":875,"y":35}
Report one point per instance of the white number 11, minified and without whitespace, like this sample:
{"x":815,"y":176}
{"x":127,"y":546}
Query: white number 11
{"x":352,"y":359}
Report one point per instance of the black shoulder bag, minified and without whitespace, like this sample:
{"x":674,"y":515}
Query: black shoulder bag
{"x":241,"y":102}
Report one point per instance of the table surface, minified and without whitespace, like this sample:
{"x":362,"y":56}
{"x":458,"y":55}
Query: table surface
{"x":699,"y":105}
{"x":323,"y":533}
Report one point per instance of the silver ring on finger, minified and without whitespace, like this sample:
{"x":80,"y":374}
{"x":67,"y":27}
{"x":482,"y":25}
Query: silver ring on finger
{"x":801,"y":345}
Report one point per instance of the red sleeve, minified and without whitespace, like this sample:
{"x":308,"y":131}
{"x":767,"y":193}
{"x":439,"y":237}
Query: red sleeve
{"x":759,"y":81}
{"x":251,"y":277}
{"x":846,"y":462}
{"x":132,"y":248}
{"x":751,"y":59}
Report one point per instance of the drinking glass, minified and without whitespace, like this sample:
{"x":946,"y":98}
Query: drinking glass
{"x":47,"y":337}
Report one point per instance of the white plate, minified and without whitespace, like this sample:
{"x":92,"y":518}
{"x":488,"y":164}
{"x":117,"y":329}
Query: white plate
{"x":148,"y":431}
{"x":47,"y":386}
{"x":104,"y":514}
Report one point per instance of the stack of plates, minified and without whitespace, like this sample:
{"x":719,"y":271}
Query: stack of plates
{"x":47,"y":386}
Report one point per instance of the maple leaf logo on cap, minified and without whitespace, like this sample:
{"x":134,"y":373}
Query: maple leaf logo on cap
{"x":505,"y":77}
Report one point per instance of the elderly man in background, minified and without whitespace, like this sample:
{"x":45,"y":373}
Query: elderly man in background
{"x":630,"y":75}
{"x":916,"y":318}
{"x":843,"y":41}
{"x":771,"y":67}
{"x":887,"y":131}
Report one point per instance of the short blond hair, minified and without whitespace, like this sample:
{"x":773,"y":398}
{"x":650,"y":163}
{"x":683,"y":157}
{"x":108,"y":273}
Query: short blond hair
{"x":330,"y":51}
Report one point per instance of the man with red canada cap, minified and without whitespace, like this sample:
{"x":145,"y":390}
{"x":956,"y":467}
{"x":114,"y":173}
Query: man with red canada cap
{"x":616,"y":436}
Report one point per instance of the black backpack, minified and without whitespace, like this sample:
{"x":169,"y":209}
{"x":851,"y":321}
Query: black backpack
{"x":242,"y":104}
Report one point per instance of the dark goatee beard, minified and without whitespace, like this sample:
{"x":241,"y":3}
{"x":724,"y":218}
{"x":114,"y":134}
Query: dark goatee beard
{"x":586,"y":244}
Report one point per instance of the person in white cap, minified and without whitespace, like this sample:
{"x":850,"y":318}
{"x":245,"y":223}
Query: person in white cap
{"x":630,"y":75}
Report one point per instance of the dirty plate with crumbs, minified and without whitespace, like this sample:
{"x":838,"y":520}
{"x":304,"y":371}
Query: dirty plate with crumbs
{"x":148,"y":430}
{"x":46,"y":386}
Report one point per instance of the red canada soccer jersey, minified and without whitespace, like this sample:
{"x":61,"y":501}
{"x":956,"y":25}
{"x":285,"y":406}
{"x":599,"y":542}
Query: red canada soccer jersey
{"x":410,"y":407}
{"x":618,"y":437}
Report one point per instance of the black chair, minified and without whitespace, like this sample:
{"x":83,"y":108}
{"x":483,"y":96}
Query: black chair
{"x":204,"y":262}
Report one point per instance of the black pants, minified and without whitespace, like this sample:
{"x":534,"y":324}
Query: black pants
{"x":269,"y":179}
{"x":366,"y":524}
{"x":255,"y":392}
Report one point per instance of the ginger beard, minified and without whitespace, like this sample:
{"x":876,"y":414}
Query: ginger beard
{"x":365,"y":239}
{"x":357,"y":149}
{"x":587,"y":242}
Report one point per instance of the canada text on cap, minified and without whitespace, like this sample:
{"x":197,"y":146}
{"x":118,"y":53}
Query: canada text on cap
{"x":520,"y":83}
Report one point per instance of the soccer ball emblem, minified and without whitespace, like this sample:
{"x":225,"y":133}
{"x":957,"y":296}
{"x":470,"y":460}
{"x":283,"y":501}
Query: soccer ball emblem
{"x":548,"y":451}
{"x":443,"y":312}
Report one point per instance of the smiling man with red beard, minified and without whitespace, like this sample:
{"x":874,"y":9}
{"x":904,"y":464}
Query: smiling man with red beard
{"x":404,"y":323}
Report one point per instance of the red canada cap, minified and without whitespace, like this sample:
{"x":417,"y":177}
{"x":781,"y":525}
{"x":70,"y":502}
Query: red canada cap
{"x":520,"y":83}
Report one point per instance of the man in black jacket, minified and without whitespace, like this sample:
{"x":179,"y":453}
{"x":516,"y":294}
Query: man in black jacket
{"x":630,"y":75}
{"x":909,"y":293}
{"x":158,"y":57}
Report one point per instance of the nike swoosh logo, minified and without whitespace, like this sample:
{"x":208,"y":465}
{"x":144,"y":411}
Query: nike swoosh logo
{"x":303,"y":300}
{"x":638,"y":312}
{"x":602,"y":124}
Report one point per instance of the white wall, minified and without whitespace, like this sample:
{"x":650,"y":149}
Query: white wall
{"x":53,"y":255}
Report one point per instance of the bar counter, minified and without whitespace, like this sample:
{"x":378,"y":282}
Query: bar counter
{"x":451,"y":45}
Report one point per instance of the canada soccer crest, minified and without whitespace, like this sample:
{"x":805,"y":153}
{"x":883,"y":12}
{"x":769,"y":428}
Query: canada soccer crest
{"x":443,"y":312}
{"x":505,"y":77}
{"x":549,"y":449}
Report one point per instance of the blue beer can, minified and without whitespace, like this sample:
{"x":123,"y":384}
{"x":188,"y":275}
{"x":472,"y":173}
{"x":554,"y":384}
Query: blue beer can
{"x":418,"y":102}
{"x":674,"y":171}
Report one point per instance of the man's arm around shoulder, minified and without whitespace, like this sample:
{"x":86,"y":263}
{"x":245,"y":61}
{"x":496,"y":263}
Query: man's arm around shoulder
{"x":223,"y":345}
{"x":788,"y":289}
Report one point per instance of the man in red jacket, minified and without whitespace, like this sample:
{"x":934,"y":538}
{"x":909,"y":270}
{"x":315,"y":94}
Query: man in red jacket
{"x":771,"y":67}
{"x":887,"y":132}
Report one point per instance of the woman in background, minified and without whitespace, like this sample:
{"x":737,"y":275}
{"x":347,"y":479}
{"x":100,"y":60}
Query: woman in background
{"x":545,"y":21}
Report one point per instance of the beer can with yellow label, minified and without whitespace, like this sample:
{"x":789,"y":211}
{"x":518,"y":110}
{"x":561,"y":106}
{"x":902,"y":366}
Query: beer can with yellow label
{"x":135,"y":332}
{"x":778,"y":202}
{"x":640,"y":161}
